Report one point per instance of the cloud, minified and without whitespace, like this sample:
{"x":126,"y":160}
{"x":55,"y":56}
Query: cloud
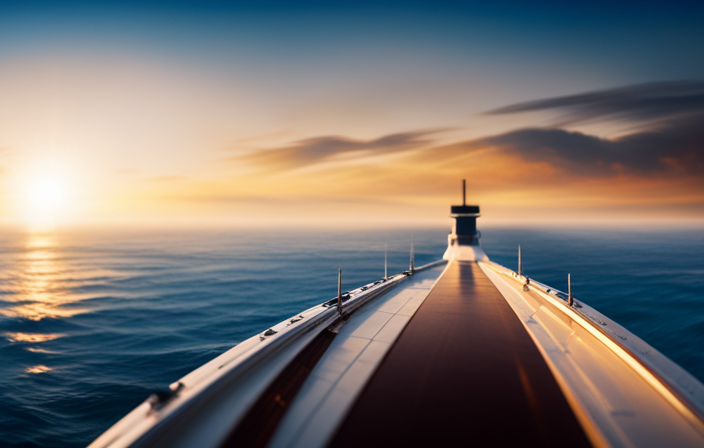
{"x":675,"y":149}
{"x":315,"y":150}
{"x":660,"y":101}
{"x":672,"y":142}
{"x":663,"y":160}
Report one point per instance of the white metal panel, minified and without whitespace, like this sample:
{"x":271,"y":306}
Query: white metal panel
{"x":239,"y":375}
{"x":393,"y":328}
{"x":617,"y":403}
{"x":342,"y":372}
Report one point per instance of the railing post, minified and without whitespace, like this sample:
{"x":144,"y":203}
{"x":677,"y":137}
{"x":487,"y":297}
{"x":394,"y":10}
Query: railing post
{"x":339,"y":291}
{"x":412,"y":267}
{"x":520,"y":271}
{"x":386,"y":261}
{"x":570,"y":299}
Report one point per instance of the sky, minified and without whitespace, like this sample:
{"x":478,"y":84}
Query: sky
{"x":351,"y":112}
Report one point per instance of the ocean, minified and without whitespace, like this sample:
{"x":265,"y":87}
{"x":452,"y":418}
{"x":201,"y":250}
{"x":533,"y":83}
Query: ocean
{"x":91,"y":321}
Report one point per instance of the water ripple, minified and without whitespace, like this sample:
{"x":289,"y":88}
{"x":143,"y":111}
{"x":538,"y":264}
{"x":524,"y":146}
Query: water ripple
{"x":91,"y":322}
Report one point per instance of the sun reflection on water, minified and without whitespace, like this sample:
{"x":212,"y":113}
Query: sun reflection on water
{"x":29,"y":337}
{"x":39,"y":285}
{"x":40,"y":350}
{"x":38,"y":369}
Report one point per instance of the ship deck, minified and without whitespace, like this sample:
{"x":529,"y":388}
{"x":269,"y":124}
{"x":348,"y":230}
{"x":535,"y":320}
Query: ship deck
{"x":464,"y":370}
{"x":454,"y":354}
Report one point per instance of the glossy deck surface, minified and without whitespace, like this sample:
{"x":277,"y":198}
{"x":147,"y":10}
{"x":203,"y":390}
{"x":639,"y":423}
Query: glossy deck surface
{"x":464,"y":371}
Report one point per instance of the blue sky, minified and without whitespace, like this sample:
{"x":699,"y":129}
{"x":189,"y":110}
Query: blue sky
{"x":190,"y":93}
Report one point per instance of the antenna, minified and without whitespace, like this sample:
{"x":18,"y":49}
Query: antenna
{"x":339,"y":291}
{"x":520,"y":272}
{"x":386,"y":264}
{"x":464,"y":192}
{"x":570,"y":299}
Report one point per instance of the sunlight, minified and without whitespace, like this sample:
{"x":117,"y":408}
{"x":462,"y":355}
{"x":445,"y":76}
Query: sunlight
{"x":38,"y":369}
{"x":47,"y":195}
{"x":45,"y":203}
{"x":41,"y":290}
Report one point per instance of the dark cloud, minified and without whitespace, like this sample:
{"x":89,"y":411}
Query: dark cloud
{"x":675,"y":149}
{"x":672,"y":145}
{"x":314,"y":150}
{"x":671,"y":142}
{"x":661,"y":101}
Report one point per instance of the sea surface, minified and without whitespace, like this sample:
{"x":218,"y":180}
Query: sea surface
{"x":91,"y":321}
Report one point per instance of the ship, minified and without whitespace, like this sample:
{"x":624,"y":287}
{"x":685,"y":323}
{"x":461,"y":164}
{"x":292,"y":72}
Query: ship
{"x":459,"y":352}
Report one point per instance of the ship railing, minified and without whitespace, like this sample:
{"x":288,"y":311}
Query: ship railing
{"x":677,"y":385}
{"x":205,"y":383}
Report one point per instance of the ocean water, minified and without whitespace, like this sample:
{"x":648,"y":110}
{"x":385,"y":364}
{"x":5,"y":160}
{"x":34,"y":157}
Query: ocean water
{"x":92,"y":321}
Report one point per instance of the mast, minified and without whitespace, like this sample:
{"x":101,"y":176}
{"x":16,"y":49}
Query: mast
{"x":464,"y":193}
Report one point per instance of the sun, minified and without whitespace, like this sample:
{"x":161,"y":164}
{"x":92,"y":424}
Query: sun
{"x":43,"y":195}
{"x":44,"y":202}
{"x":47,"y":195}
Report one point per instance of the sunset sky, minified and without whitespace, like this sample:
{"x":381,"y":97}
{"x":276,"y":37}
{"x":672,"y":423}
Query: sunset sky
{"x":350,"y":111}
